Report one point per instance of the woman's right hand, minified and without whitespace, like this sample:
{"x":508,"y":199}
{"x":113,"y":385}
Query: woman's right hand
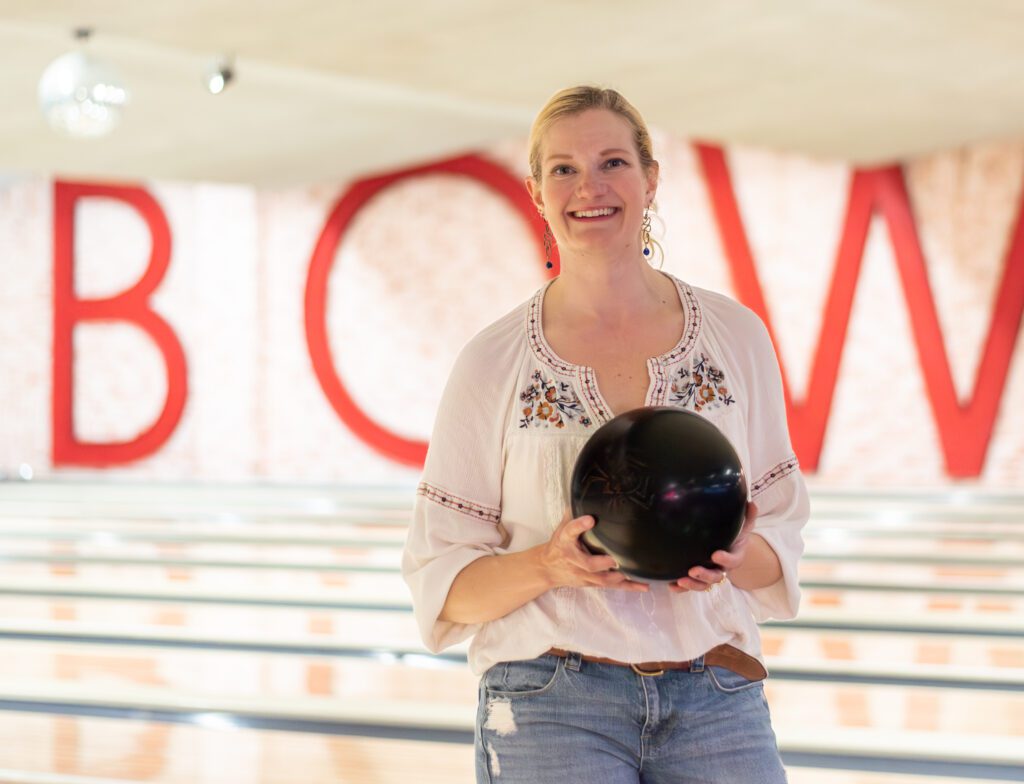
{"x":493,"y":586}
{"x":566,"y":562}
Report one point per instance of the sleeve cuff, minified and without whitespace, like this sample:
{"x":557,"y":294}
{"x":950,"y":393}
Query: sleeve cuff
{"x":430,"y":586}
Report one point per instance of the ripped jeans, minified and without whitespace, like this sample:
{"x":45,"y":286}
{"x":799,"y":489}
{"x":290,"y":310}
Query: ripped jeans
{"x":554,"y":720}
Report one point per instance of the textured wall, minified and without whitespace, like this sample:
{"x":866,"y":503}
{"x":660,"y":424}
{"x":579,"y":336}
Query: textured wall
{"x":432,"y":259}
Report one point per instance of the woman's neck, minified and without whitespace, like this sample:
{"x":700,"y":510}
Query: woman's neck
{"x":607,"y":292}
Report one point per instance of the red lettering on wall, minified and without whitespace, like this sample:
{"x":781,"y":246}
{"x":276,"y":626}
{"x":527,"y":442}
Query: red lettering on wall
{"x":965,"y":429}
{"x":404,"y":450}
{"x":131,"y":305}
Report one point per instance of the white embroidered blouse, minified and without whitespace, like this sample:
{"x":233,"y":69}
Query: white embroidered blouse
{"x":511,"y":421}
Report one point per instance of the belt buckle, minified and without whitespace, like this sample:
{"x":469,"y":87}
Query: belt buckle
{"x":646,"y":673}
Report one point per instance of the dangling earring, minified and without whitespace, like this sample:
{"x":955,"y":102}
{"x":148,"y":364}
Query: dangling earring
{"x":549,"y":241}
{"x":645,"y":233}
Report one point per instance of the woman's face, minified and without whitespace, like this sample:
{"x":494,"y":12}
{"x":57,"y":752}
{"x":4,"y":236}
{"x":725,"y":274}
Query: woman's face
{"x":593,"y":189}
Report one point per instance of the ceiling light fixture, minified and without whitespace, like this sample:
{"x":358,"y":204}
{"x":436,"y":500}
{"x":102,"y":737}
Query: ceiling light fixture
{"x":219,"y":75}
{"x":81,"y":96}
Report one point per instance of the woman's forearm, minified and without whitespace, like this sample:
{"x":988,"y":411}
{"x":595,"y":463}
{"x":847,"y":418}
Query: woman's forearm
{"x":760,"y":568}
{"x":495,"y":585}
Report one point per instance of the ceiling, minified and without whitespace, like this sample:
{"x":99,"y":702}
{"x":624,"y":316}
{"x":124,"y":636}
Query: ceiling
{"x":331,"y":89}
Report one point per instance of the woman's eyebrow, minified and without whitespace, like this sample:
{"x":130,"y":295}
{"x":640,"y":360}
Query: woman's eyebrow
{"x":602,"y":153}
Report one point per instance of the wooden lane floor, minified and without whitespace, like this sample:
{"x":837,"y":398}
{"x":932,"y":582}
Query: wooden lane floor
{"x":91,"y":750}
{"x":357,"y":582}
{"x":959,"y":658}
{"x":223,"y":506}
{"x":949,"y":575}
{"x":227,"y":505}
{"x":366,"y":545}
{"x":886,"y":670}
{"x":95,"y":750}
{"x":909,"y":728}
{"x":227,"y":674}
{"x":998,"y":613}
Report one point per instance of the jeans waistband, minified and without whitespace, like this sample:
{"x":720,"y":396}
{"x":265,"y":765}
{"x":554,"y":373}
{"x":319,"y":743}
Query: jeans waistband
{"x":728,"y":656}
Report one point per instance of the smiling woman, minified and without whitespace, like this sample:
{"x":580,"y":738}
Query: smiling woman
{"x":567,"y":142}
{"x":593,"y":178}
{"x":586,"y":674}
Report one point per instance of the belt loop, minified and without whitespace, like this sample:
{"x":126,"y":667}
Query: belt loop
{"x":573,"y":660}
{"x":697,"y":665}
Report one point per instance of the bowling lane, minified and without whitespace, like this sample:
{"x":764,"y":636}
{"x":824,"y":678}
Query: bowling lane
{"x":911,"y":626}
{"x":375,"y":690}
{"x":213,"y":527}
{"x":961,"y":661}
{"x":912,"y":549}
{"x":955,"y":658}
{"x":222,"y":525}
{"x":882,"y":727}
{"x":48,"y":749}
{"x":920,"y":630}
{"x":912,"y":577}
{"x":334,"y":543}
{"x":799,"y":775}
{"x":342,"y":557}
{"x":42,"y":748}
{"x":881,"y":527}
{"x":67,"y":671}
{"x":211,"y":625}
{"x":943,"y":613}
{"x":171,"y":502}
{"x":888,"y":725}
{"x":897,"y":506}
{"x":85,"y":662}
{"x":380,"y":588}
{"x":335,"y":587}
{"x":350,"y":555}
{"x":871,"y":507}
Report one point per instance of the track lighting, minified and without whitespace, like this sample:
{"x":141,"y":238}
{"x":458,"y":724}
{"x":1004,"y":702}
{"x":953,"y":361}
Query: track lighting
{"x":219,"y":75}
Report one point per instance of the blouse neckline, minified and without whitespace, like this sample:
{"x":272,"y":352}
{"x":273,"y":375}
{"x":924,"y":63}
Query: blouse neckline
{"x":543,"y":351}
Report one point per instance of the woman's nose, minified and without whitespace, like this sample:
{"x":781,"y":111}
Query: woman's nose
{"x":590,"y":184}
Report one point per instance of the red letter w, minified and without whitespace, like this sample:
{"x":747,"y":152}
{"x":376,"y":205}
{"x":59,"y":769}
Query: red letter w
{"x":965,"y":429}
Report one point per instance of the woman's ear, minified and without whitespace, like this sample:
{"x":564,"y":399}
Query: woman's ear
{"x":652,"y":181}
{"x":534,"y":190}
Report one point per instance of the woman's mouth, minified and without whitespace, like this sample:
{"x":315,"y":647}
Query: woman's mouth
{"x":598,"y":212}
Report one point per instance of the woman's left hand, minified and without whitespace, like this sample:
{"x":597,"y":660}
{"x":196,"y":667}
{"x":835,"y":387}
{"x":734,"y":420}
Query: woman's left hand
{"x":700,"y":578}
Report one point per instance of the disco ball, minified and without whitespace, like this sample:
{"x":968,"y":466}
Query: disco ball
{"x":80,"y":96}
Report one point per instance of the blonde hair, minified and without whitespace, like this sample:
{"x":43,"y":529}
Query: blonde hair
{"x":574,"y":100}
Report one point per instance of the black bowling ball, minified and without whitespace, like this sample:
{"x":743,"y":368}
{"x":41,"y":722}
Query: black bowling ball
{"x":666,"y":490}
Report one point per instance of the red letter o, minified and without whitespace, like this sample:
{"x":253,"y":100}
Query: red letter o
{"x":388,"y":443}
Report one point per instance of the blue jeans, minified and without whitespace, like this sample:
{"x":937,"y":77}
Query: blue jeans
{"x":554,"y":720}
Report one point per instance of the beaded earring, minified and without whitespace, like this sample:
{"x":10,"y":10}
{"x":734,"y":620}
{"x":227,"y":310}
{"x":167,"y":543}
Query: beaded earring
{"x":549,"y":242}
{"x":645,"y":233}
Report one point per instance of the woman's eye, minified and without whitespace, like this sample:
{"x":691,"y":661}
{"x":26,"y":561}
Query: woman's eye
{"x":561,"y":170}
{"x":615,"y":163}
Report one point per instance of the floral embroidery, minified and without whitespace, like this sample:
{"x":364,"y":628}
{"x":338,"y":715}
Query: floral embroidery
{"x":700,"y":386}
{"x":547,"y":403}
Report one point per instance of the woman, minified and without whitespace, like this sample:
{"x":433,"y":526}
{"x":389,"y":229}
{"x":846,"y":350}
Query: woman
{"x":587,"y":675}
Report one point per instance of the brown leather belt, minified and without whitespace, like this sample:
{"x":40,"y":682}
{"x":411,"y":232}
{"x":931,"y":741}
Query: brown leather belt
{"x":727,"y":656}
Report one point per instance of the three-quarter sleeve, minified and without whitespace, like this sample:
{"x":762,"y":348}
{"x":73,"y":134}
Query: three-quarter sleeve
{"x":457,"y":512}
{"x":776,"y":483}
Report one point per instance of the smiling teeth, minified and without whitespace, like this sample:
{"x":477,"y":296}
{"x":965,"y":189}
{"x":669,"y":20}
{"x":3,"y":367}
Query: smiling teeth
{"x":594,"y":213}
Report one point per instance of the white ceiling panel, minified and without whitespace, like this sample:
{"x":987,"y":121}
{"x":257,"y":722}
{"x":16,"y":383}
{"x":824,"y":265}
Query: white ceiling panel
{"x":329,"y":89}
